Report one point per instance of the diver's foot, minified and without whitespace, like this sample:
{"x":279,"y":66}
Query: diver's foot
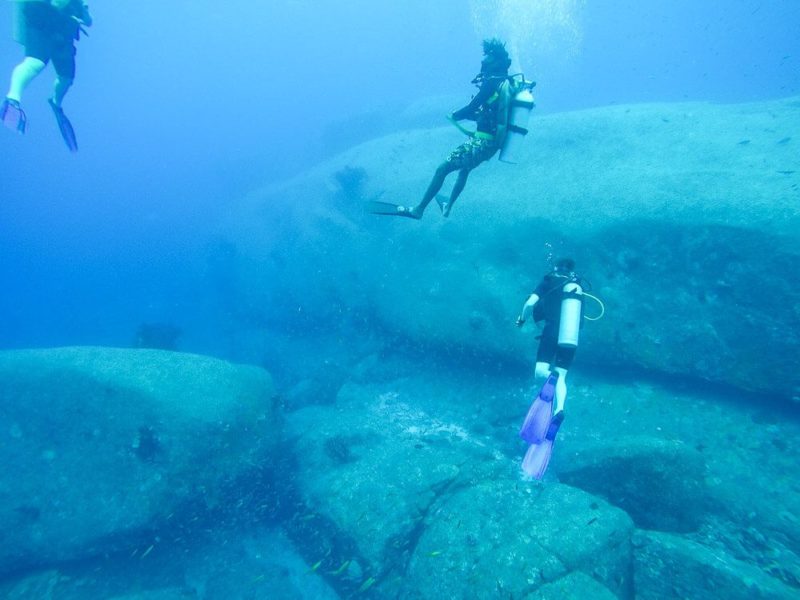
{"x":412,"y":212}
{"x":12,"y":115}
{"x":64,"y":126}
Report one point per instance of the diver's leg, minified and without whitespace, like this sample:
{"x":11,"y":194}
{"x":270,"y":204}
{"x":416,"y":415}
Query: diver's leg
{"x":60,"y":89}
{"x":22,"y":75}
{"x":542,"y":370}
{"x":442,"y":171}
{"x":64,"y":65}
{"x":561,"y":389}
{"x":463,"y":175}
{"x":564,"y":357}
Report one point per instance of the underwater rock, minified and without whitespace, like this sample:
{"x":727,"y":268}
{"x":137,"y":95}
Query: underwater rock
{"x":159,"y":336}
{"x":506,"y":538}
{"x":46,"y":585}
{"x":403,"y":485}
{"x":100,"y":443}
{"x":690,"y":240}
{"x":659,"y":483}
{"x":669,"y":566}
{"x":369,"y":470}
{"x":575,"y":585}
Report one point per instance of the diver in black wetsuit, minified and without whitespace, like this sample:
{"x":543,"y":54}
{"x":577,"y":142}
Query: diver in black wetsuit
{"x":48,"y":30}
{"x":489,"y":109}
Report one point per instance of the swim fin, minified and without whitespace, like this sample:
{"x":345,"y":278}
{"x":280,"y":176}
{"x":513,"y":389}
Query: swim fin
{"x":12,"y":115}
{"x":67,"y":132}
{"x":538,"y":455}
{"x":536,"y":421}
{"x":393,"y":210}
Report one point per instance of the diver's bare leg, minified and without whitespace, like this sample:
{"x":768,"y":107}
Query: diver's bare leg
{"x":442,"y":171}
{"x":22,"y":75}
{"x":463,"y":175}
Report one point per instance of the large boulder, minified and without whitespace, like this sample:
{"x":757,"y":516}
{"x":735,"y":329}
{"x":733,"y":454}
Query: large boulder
{"x":669,"y":566}
{"x":661,"y":484}
{"x":397,"y":483}
{"x":98,"y":443}
{"x":504,"y":539}
{"x":683,"y":216}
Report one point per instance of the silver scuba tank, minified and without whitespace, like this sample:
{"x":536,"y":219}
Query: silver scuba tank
{"x":519,"y":114}
{"x":570,"y":322}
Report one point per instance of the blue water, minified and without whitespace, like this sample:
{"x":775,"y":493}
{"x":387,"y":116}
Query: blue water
{"x":182,"y":109}
{"x":174,"y":121}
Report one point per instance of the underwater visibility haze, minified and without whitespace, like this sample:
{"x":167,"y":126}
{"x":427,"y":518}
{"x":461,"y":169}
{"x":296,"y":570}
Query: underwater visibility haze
{"x":229,"y":371}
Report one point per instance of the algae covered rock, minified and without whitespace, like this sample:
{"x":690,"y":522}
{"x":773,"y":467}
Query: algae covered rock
{"x":660,"y":483}
{"x":506,"y":538}
{"x":425,"y":506}
{"x":688,"y":235}
{"x":669,"y":566}
{"x":371,"y":467}
{"x":100,"y":442}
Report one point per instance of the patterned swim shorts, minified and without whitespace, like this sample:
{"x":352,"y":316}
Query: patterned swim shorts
{"x":472,"y":153}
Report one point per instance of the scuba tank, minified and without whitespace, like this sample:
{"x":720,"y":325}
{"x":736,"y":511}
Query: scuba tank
{"x":570,"y":321}
{"x":519,"y":113}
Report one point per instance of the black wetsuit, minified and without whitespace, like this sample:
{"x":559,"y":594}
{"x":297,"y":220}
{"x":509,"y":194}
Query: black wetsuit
{"x":483,"y":109}
{"x":548,"y":309}
{"x":50,"y":34}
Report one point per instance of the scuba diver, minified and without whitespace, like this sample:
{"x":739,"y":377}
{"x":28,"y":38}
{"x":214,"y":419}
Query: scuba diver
{"x":48,"y":30}
{"x":489,"y":109}
{"x":558,"y":301}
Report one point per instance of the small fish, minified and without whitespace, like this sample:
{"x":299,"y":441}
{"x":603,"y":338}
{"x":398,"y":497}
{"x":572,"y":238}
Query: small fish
{"x":368,"y":583}
{"x":307,"y":517}
{"x":435,"y":553}
{"x":341,"y":569}
{"x":786,"y":172}
{"x":744,"y":142}
{"x":315,"y":566}
{"x":592,"y":520}
{"x":148,"y":551}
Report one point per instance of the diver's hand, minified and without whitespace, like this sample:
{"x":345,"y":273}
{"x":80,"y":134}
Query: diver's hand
{"x":520,"y":321}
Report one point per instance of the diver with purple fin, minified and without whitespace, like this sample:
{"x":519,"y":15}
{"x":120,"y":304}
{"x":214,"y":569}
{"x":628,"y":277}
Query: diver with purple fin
{"x":558,"y":301}
{"x":48,"y":30}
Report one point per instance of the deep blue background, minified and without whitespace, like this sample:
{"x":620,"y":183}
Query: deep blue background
{"x":180,"y":110}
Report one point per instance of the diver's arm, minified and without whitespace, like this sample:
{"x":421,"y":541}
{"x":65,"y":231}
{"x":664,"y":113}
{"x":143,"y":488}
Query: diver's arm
{"x":470,"y":110}
{"x":527,"y":309}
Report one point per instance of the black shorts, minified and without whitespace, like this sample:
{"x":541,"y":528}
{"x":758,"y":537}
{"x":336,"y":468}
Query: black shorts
{"x":48,"y":40}
{"x":550,"y":352}
{"x":472,"y":153}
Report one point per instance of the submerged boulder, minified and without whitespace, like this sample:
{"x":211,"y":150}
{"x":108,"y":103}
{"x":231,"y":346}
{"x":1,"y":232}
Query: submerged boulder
{"x":98,"y":443}
{"x":425,"y":506}
{"x":660,"y":483}
{"x":507,"y":538}
{"x":669,"y":566}
{"x":684,"y":217}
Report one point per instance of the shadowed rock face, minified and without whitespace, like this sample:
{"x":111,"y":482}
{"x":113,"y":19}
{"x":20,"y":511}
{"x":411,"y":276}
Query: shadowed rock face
{"x":99,"y":443}
{"x":685,"y":219}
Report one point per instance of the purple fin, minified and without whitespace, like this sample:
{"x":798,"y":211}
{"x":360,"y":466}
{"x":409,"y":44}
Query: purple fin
{"x":12,"y":115}
{"x":67,"y":132}
{"x":538,"y":455}
{"x":536,"y":421}
{"x":537,"y":458}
